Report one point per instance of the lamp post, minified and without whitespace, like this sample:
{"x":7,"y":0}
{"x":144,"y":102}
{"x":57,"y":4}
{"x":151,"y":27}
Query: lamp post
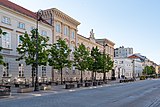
{"x":39,"y":18}
{"x":119,"y":72}
{"x":104,"y":49}
{"x":133,"y":70}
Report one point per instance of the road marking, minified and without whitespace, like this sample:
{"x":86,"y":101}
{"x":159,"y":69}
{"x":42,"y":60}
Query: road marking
{"x":71,"y":90}
{"x":37,"y":95}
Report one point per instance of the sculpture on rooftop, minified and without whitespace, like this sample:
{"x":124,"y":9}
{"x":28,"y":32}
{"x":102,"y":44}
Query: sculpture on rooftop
{"x":92,"y":34}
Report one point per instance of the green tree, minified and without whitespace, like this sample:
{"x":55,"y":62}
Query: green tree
{"x":1,"y":57}
{"x":153,"y":70}
{"x":149,"y":70}
{"x":59,"y":59}
{"x":81,"y":59}
{"x":94,"y":61}
{"x":106,"y":64}
{"x":27,"y":50}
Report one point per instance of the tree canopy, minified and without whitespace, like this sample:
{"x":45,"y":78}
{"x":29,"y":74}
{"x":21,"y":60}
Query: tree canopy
{"x":94,"y":61}
{"x":59,"y":56}
{"x":106,"y":64}
{"x":149,"y":70}
{"x":81,"y":55}
{"x":27,"y":50}
{"x":1,"y":57}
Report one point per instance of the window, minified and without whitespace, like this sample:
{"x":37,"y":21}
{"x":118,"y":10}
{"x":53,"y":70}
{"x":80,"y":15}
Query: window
{"x":121,"y":62}
{"x":58,"y":27}
{"x":66,"y":30}
{"x":19,"y":41}
{"x":21,"y":70}
{"x":44,"y":33}
{"x":6,"y":20}
{"x":21,"y":25}
{"x":67,"y":71}
{"x":6,"y":40}
{"x":5,"y":70}
{"x":73,"y":34}
{"x":32,"y":27}
{"x":73,"y":70}
{"x":72,"y":48}
{"x":43,"y":71}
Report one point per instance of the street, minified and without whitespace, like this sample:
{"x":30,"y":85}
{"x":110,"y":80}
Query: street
{"x":136,"y":94}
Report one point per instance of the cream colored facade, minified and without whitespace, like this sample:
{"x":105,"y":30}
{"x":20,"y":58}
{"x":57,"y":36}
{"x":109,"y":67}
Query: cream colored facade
{"x":60,"y":25}
{"x":157,"y":69}
{"x":89,"y":43}
{"x":92,"y":42}
{"x":15,"y":24}
{"x":64,"y":26}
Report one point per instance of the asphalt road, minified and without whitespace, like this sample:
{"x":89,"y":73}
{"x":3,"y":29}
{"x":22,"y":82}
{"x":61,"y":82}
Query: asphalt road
{"x":137,"y":94}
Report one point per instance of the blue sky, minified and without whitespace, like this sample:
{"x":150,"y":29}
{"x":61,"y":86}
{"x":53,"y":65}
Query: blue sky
{"x":131,"y":23}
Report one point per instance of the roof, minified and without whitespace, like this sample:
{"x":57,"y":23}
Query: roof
{"x":134,"y":56}
{"x":19,"y":9}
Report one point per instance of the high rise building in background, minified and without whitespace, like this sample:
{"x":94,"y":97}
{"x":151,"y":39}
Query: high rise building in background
{"x":122,"y":52}
{"x":15,"y":20}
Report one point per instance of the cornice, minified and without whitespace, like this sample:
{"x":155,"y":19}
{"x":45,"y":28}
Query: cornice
{"x":62,"y":15}
{"x":106,"y":41}
{"x":6,"y":28}
{"x":88,"y":40}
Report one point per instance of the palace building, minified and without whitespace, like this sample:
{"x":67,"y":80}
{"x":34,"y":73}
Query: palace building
{"x":15,"y":20}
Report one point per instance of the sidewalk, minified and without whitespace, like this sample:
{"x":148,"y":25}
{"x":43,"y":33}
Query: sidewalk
{"x":55,"y":90}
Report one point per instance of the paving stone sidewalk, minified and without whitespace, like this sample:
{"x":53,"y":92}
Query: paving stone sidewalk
{"x":55,"y":90}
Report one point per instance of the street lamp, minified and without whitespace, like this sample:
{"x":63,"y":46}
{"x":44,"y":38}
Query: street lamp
{"x":133,"y":70}
{"x":39,"y":18}
{"x":104,"y":49}
{"x":119,"y":72}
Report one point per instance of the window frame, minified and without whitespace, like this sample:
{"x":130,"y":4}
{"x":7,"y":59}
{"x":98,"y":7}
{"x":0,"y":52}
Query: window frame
{"x":44,"y":33}
{"x":21,"y":70}
{"x":6,"y":40}
{"x":58,"y":27}
{"x":73,"y":34}
{"x":6,"y":20}
{"x":21,"y":25}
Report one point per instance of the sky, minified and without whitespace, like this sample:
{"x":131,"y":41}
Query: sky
{"x":128,"y":23}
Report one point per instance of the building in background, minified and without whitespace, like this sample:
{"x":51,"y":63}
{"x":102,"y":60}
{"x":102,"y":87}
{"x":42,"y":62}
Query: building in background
{"x":126,"y":67}
{"x":122,"y":52}
{"x":144,"y":60}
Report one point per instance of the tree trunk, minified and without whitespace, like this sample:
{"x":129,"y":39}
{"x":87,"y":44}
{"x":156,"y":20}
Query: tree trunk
{"x":53,"y":74}
{"x":81,"y":77}
{"x":95,"y":76}
{"x":104,"y":76}
{"x":61,"y":77}
{"x":92,"y":76}
{"x":33,"y":75}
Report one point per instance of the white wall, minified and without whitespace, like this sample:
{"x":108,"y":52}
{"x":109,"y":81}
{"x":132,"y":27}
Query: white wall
{"x":125,"y":66}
